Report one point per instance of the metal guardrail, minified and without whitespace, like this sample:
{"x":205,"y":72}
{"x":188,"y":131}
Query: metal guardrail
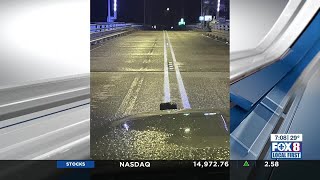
{"x":218,"y":31}
{"x":225,"y":27}
{"x":97,"y":35}
{"x":110,"y":36}
{"x":103,"y":31}
{"x":213,"y":26}
{"x":104,"y":26}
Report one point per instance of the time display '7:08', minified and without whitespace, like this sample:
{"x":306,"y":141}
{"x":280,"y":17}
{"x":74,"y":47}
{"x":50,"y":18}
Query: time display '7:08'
{"x":207,"y":164}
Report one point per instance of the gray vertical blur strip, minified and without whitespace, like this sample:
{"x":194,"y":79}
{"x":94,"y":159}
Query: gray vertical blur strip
{"x":44,"y":78}
{"x":43,"y":40}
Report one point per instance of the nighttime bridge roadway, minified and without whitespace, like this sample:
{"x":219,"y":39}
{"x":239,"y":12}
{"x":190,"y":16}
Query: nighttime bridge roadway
{"x":135,"y":73}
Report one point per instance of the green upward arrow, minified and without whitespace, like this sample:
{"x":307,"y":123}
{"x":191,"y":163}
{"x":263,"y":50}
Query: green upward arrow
{"x":246,"y":164}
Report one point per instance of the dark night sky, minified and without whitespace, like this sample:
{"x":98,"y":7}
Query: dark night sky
{"x":132,"y":11}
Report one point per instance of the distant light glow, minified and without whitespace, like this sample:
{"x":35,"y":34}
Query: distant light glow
{"x":114,"y":5}
{"x":171,"y":27}
{"x":181,"y":22}
{"x":208,"y":18}
{"x":186,"y":114}
{"x":201,"y":18}
{"x":168,"y":9}
{"x":218,"y":8}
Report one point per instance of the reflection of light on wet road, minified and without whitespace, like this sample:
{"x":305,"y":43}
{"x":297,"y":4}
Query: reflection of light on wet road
{"x":153,"y":145}
{"x":126,"y":126}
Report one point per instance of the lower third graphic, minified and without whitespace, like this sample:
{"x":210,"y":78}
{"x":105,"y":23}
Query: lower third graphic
{"x":286,"y":146}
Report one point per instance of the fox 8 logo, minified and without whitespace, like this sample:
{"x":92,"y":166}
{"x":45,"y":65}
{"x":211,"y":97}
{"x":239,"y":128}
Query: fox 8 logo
{"x":286,"y":147}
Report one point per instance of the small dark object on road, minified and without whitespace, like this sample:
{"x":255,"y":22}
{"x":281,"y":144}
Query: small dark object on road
{"x":168,"y":105}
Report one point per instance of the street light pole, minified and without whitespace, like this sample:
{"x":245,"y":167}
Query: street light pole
{"x":115,"y":9}
{"x":202,"y":23}
{"x":109,"y":9}
{"x":218,"y":10}
{"x":201,"y":9}
{"x":144,"y":13}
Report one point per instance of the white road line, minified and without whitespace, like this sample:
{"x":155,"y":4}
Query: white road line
{"x":134,"y":98}
{"x":129,"y":100}
{"x":39,"y":137}
{"x":42,"y":97}
{"x":62,"y":148}
{"x":123,"y":106}
{"x":183,"y":93}
{"x":166,"y":84}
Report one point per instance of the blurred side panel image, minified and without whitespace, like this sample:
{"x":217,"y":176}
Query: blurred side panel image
{"x":160,"y":80}
{"x":275,"y":88}
{"x":44,"y":80}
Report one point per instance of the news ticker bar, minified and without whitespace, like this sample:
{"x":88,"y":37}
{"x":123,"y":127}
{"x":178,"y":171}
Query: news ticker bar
{"x":69,"y":164}
{"x":224,"y":168}
{"x":197,"y":164}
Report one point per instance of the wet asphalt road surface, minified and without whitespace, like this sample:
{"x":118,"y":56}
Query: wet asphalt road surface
{"x":128,"y":75}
